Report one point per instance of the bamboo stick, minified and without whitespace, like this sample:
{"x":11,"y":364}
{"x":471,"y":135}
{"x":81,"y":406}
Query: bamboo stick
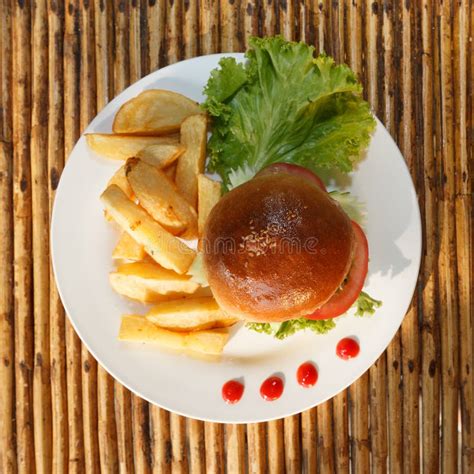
{"x":179,"y":455}
{"x":319,"y":28}
{"x":156,"y":14}
{"x":378,"y":414}
{"x":60,"y":449}
{"x":269,"y":18}
{"x":87,"y":112}
{"x":235,"y":448}
{"x":336,"y":21}
{"x":325,"y":438}
{"x":197,"y":449}
{"x":249,"y":13}
{"x":354,"y":40}
{"x":208,"y":27}
{"x":377,"y":373}
{"x":326,"y":31}
{"x":341,"y":432}
{"x":121,"y":59}
{"x":256,"y":448}
{"x":430,"y":326}
{"x":190,"y":28}
{"x":123,"y":419}
{"x":288,"y":24}
{"x":359,"y":391}
{"x":21,"y":106}
{"x":141,"y":435}
{"x":7,"y":444}
{"x":359,"y":420}
{"x":123,"y":414}
{"x":40,"y":224}
{"x":134,"y":41}
{"x":140,"y":415}
{"x":463,"y":76}
{"x":161,"y":441}
{"x":230,"y":26}
{"x":409,"y":330}
{"x":291,"y":430}
{"x":107,"y":430}
{"x":214,"y":436}
{"x":275,"y":446}
{"x":108,"y":448}
{"x":103,"y":52}
{"x":7,"y":334}
{"x":89,"y":412}
{"x":309,"y":440}
{"x":306,"y":21}
{"x":71,"y":133}
{"x":394,"y":401}
{"x":174,"y":34}
{"x":446,"y":259}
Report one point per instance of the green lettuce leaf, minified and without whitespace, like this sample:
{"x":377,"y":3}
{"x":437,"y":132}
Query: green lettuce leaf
{"x":366,"y":305}
{"x":351,"y":206}
{"x":288,"y":328}
{"x":284,"y":105}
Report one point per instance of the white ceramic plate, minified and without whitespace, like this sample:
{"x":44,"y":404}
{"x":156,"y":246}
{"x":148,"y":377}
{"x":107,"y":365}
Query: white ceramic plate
{"x":82,"y":242}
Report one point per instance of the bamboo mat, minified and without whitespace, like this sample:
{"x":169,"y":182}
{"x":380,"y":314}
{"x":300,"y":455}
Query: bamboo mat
{"x":60,"y":411}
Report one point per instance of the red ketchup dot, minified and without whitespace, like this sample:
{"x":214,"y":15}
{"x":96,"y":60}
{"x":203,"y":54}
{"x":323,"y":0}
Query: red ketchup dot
{"x":272,"y":388}
{"x":232,"y":391}
{"x":347,"y":348}
{"x":307,"y":375}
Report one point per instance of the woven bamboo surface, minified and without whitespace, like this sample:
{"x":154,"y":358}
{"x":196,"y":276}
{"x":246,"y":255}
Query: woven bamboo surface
{"x":60,"y":411}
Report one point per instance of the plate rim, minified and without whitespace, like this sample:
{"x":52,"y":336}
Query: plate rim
{"x":136,"y":391}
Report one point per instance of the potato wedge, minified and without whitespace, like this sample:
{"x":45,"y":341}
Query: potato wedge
{"x":209,"y":192}
{"x":191,"y":162}
{"x":154,"y":112}
{"x":186,"y":314}
{"x":128,"y":249}
{"x":121,"y":147}
{"x":120,"y":179}
{"x":160,"y":198}
{"x":161,"y":156}
{"x":162,"y":246}
{"x":138,"y":329}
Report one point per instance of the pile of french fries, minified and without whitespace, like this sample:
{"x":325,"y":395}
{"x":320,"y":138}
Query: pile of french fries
{"x":158,"y":198}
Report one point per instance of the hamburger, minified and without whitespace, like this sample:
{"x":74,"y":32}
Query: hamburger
{"x":278,"y":247}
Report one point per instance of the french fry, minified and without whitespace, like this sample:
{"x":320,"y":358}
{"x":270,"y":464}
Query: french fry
{"x":160,"y":198}
{"x":156,"y":278}
{"x":209,"y":192}
{"x":134,"y":289}
{"x":162,"y":246}
{"x":186,"y":314}
{"x":170,"y":171}
{"x":128,"y":249}
{"x":161,"y":156}
{"x":154,"y":112}
{"x":138,"y":329}
{"x":121,"y":147}
{"x":120,"y":179}
{"x":210,"y":341}
{"x":191,"y":162}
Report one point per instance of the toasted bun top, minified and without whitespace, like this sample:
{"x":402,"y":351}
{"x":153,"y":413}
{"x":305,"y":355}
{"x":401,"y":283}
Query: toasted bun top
{"x":276,"y":248}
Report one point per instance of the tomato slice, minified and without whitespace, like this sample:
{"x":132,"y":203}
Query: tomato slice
{"x":293,"y":169}
{"x":343,"y":299}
